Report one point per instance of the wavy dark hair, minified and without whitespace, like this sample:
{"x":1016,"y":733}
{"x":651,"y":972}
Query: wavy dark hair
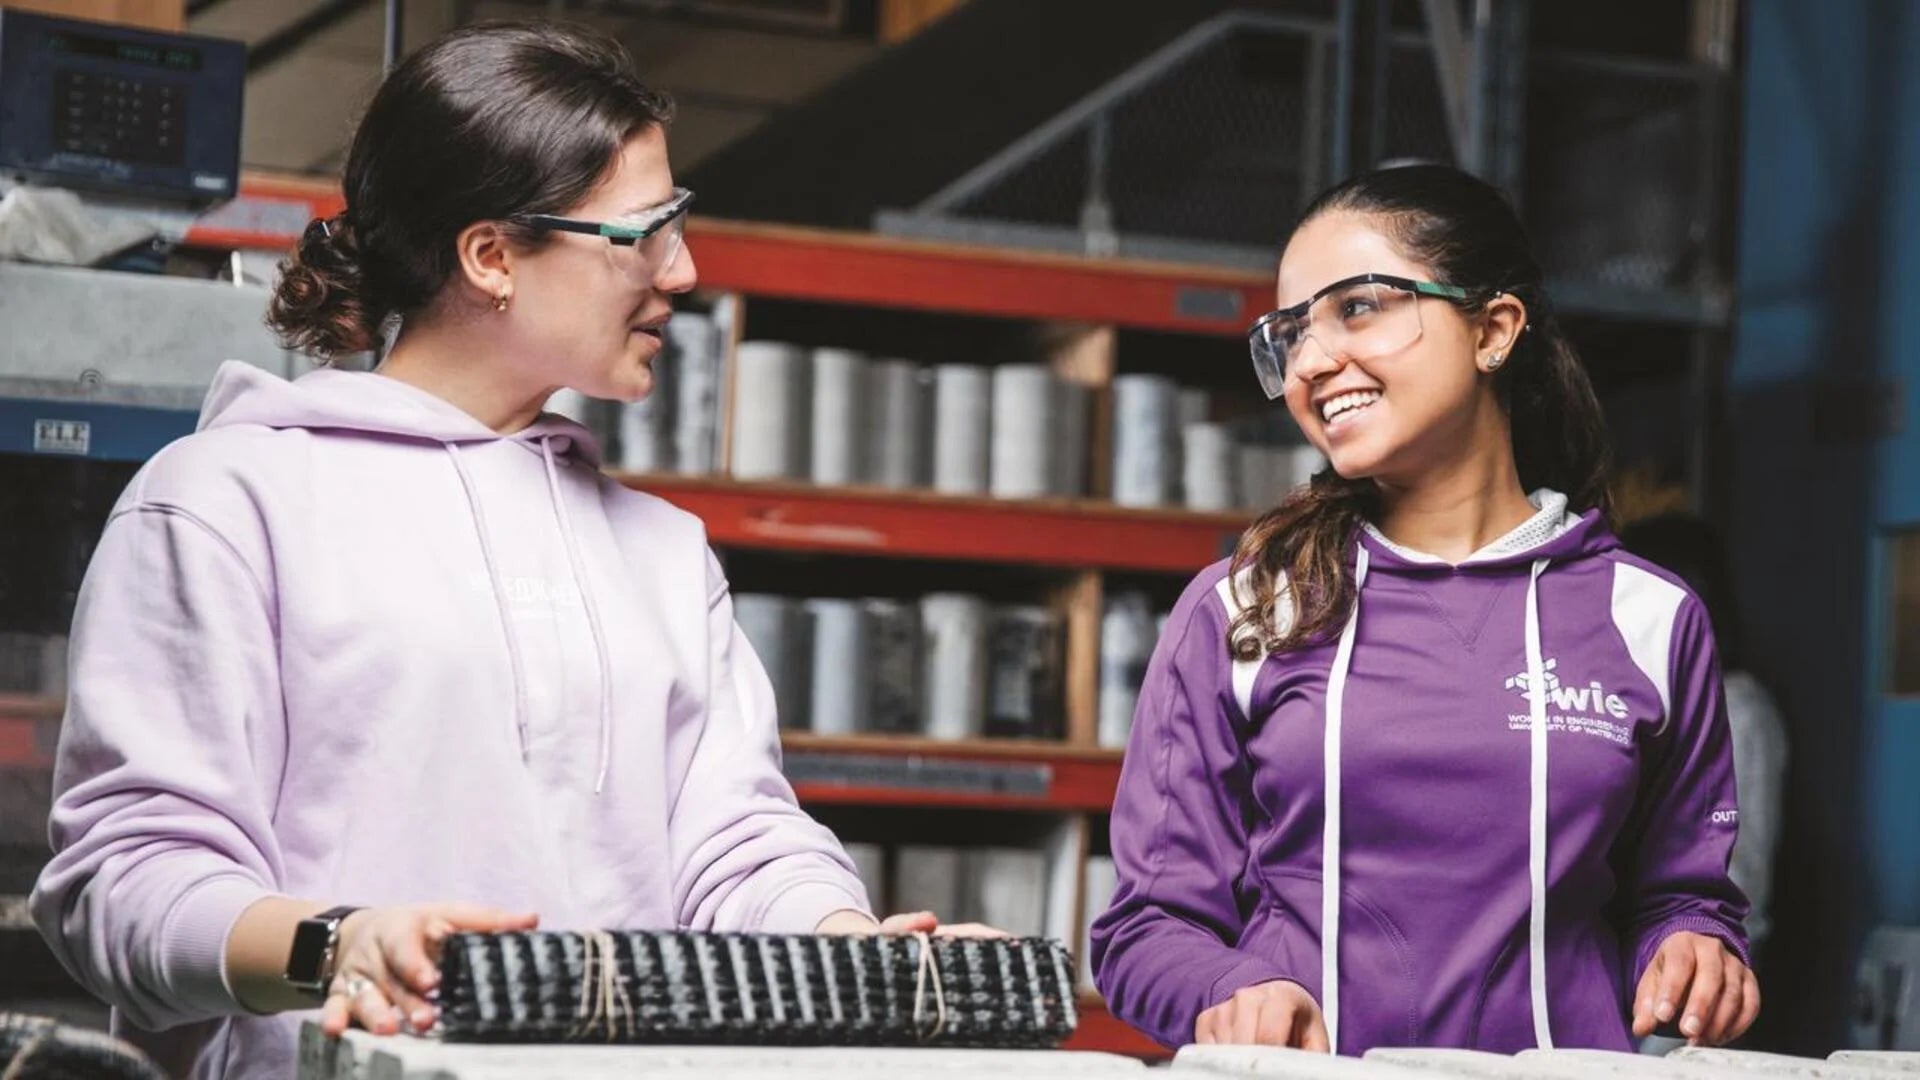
{"x":1466,"y":233}
{"x":488,"y":123}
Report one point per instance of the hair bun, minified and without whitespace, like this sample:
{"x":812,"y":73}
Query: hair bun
{"x":321,"y":306}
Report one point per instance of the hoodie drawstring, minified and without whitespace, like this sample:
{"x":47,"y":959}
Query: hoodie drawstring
{"x":1330,"y":835}
{"x":500,"y":601}
{"x":1537,"y":816}
{"x":1330,"y":890}
{"x":593,"y":617}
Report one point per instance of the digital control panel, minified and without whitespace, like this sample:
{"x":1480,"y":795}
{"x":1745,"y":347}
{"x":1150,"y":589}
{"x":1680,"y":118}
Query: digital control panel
{"x":121,"y":109}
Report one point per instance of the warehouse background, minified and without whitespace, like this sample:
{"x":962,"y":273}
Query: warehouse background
{"x":916,"y":215}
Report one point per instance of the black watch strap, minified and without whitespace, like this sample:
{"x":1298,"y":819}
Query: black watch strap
{"x":316,"y":940}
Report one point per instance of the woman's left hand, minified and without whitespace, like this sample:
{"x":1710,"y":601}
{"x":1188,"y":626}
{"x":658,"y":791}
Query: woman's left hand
{"x":917,"y":922}
{"x":1699,"y":980}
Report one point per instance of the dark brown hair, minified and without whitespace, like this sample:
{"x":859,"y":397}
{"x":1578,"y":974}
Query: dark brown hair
{"x":490,"y":122}
{"x":1466,"y":234}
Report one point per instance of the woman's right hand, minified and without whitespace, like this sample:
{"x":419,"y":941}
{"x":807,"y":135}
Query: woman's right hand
{"x":389,"y":962}
{"x":1276,"y":1013}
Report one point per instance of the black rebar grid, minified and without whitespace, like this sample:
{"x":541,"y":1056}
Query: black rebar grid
{"x":740,"y":989}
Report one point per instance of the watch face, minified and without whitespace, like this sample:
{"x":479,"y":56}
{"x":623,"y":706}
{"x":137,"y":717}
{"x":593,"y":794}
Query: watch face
{"x":309,"y":954}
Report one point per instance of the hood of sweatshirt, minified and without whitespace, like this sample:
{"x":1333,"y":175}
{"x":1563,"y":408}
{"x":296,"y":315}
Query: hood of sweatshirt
{"x":334,"y":401}
{"x":349,"y":401}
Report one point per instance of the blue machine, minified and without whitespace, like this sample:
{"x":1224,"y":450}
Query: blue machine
{"x":119,"y":109}
{"x":87,"y":429}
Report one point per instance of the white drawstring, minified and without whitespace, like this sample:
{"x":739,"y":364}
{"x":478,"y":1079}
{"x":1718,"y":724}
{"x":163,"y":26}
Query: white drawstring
{"x":1537,"y":816}
{"x":593,"y":616}
{"x":1330,"y":835}
{"x":1330,"y":889}
{"x":514,"y":664}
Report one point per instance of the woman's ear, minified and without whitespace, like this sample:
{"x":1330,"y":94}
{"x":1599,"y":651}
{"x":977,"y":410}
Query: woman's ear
{"x":1501,"y":324}
{"x":485,"y":272}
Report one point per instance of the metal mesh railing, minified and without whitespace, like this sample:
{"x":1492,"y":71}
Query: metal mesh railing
{"x":1615,"y":163}
{"x":1217,"y":143}
{"x":1213,"y":149}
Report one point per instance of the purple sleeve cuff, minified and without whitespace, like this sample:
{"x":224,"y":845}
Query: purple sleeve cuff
{"x":799,"y":908}
{"x":1166,"y":1002}
{"x":1652,"y":938}
{"x":193,"y":945}
{"x":1247,"y":971}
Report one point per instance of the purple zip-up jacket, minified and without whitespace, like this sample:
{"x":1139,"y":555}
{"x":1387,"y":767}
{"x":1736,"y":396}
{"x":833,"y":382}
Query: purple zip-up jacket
{"x":1424,"y":707}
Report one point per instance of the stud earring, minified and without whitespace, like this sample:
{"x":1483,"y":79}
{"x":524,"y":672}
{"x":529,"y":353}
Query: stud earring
{"x":500,"y":302}
{"x":1494,"y":361}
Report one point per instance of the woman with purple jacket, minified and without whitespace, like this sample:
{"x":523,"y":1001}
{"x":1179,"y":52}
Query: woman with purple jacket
{"x":1431,"y":761}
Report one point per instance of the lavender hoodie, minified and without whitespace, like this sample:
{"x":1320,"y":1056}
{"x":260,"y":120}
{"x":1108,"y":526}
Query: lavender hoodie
{"x":347,"y":643}
{"x":1501,"y":883}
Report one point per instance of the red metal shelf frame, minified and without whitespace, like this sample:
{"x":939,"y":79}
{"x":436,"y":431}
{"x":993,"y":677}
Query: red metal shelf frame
{"x":853,"y":268}
{"x":1068,"y":534}
{"x":1082,"y":779}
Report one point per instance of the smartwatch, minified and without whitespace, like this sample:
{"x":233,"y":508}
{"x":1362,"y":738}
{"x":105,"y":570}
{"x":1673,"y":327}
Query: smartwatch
{"x":316,"y":940}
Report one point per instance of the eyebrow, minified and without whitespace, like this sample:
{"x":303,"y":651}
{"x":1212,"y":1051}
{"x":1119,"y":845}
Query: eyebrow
{"x":1301,"y":307}
{"x":649,"y":207}
{"x":1419,"y":288}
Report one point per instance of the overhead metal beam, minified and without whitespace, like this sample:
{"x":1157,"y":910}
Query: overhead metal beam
{"x":1498,"y":107}
{"x":1346,"y":49}
{"x":275,"y":46}
{"x":1313,"y":121}
{"x":395,"y":32}
{"x":1453,"y":62}
{"x":1363,"y":40}
{"x":837,"y":19}
{"x":1380,"y":61}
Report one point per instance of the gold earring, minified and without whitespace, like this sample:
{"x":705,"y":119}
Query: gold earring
{"x":500,"y":302}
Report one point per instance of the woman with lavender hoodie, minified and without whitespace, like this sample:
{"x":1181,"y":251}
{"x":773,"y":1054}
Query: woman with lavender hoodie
{"x":1430,"y":761}
{"x":390,"y":639}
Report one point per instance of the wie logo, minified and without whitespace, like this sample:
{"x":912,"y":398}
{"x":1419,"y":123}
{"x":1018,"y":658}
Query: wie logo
{"x":1592,"y":698}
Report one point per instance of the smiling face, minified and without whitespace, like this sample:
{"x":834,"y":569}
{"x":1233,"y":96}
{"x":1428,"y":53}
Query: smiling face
{"x":585,"y":314}
{"x":1394,"y":415}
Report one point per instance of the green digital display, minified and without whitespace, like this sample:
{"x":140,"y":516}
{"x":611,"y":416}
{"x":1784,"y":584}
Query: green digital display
{"x":164,"y":57}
